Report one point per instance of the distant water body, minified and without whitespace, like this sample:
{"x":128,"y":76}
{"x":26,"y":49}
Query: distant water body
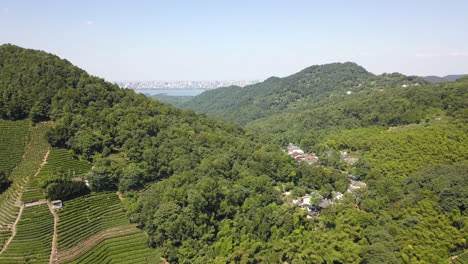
{"x":171,"y":92}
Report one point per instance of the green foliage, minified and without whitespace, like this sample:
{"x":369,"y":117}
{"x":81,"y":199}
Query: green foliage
{"x":177,"y":101}
{"x":397,"y":153}
{"x":133,"y":177}
{"x":312,"y":85}
{"x":423,"y":234}
{"x":105,"y":176}
{"x":462,"y":259}
{"x":61,"y":189}
{"x":13,"y":138}
{"x":210,"y":189}
{"x":4,"y":182}
{"x":311,"y":123}
{"x":446,"y":183}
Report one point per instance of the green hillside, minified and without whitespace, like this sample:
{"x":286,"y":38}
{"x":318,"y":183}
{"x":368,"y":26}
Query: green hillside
{"x":389,"y":107}
{"x":275,"y":95}
{"x":177,"y":101}
{"x":206,"y":191}
{"x":96,"y":119}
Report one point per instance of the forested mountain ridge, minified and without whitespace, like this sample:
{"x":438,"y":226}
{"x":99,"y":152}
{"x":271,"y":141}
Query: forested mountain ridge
{"x":274,"y":95}
{"x":383,"y":108}
{"x":213,"y":168}
{"x":94,"y":117}
{"x":207,"y":191}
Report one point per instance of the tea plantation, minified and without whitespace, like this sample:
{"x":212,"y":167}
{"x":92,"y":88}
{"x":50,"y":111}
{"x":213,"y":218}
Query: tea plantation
{"x":91,"y":229}
{"x":10,"y":200}
{"x":127,"y":248}
{"x":94,"y":229}
{"x":61,"y":159}
{"x":13,"y":138}
{"x":32,"y":243}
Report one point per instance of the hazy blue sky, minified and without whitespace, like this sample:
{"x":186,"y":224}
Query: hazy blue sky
{"x":234,"y":40}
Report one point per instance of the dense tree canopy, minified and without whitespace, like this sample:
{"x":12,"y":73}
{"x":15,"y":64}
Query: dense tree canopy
{"x":392,"y":107}
{"x":275,"y":95}
{"x":4,"y":181}
{"x":208,"y":191}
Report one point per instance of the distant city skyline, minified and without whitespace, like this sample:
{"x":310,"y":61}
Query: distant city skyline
{"x":241,"y":40}
{"x":183,"y":84}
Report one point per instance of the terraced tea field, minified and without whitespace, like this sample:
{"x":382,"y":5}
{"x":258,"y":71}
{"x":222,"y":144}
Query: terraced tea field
{"x":127,"y":248}
{"x":61,"y":159}
{"x":10,"y":202}
{"x":14,"y":136}
{"x":34,"y":153}
{"x":90,"y":229}
{"x":4,"y":235}
{"x":10,"y":207}
{"x":32,"y":243}
{"x":85,"y":216}
{"x":94,"y":229}
{"x":58,"y":159}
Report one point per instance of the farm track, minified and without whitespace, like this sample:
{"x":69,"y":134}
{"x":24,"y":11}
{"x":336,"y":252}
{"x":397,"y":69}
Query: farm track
{"x":53,"y":252}
{"x":44,"y":161}
{"x":88,"y":244}
{"x":26,"y":202}
{"x":13,"y":230}
{"x":22,"y":206}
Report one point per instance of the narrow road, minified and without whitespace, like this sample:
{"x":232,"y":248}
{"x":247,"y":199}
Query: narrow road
{"x":13,"y":230}
{"x":44,"y":161}
{"x":18,"y":217}
{"x":53,"y":252}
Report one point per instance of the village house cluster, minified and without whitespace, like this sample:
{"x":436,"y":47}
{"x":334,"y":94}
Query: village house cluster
{"x":314,"y":202}
{"x":298,"y":154}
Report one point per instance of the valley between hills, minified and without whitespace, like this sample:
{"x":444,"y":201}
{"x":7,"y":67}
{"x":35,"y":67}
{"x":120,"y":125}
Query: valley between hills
{"x":332,"y":164}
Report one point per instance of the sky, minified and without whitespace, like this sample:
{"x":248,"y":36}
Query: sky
{"x":241,"y":40}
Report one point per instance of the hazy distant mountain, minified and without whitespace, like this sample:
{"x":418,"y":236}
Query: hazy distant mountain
{"x":454,"y":77}
{"x":434,"y":79}
{"x":447,"y":78}
{"x":171,"y":99}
